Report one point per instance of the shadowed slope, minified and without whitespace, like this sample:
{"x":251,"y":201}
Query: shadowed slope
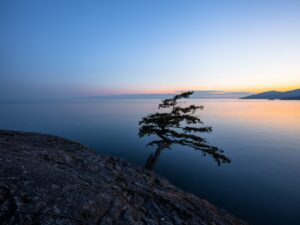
{"x":50,"y":180}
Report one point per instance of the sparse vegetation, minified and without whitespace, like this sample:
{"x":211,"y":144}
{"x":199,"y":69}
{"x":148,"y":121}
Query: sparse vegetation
{"x":178,"y":124}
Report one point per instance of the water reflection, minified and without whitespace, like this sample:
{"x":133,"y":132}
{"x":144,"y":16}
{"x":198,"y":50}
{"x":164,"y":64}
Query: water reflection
{"x":178,"y":124}
{"x":261,"y":137}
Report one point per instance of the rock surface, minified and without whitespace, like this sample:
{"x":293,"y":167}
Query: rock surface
{"x":49,"y":180}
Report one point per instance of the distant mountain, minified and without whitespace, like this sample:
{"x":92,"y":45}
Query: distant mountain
{"x":291,"y":98}
{"x":197,"y":95}
{"x":287,"y":95}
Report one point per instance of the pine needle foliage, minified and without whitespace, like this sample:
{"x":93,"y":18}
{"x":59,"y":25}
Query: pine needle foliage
{"x":178,"y":124}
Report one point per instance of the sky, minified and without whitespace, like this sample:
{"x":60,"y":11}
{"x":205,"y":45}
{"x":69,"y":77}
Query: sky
{"x":81,"y":48}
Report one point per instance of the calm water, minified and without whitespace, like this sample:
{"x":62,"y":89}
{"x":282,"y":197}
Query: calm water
{"x":262,"y":138}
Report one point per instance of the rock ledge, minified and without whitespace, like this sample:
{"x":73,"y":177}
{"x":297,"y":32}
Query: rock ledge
{"x":49,"y":180}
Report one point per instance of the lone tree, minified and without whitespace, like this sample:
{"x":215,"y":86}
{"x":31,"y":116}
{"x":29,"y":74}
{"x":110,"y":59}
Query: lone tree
{"x":178,"y":125}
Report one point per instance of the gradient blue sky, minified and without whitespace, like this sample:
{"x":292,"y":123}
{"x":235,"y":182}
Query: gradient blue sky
{"x":73,"y":48}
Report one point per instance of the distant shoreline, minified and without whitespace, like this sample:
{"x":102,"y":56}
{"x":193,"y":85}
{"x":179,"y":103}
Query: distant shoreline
{"x":276,"y":95}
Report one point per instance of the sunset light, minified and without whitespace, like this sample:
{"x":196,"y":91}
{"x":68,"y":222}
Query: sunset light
{"x":150,"y":112}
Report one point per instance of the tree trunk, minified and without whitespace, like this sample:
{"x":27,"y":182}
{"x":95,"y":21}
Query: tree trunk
{"x":152,"y":159}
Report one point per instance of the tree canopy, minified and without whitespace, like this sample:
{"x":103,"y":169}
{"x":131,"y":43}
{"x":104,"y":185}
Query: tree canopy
{"x":178,"y":124}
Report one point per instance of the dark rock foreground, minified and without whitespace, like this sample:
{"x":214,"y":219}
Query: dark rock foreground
{"x":49,"y":180}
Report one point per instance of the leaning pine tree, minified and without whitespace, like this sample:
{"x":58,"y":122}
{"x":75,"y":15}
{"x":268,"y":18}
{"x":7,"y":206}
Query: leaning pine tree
{"x":178,"y":125}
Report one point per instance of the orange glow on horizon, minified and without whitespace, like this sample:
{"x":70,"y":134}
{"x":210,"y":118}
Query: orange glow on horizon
{"x":264,"y":89}
{"x":244,"y":89}
{"x":175,"y":89}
